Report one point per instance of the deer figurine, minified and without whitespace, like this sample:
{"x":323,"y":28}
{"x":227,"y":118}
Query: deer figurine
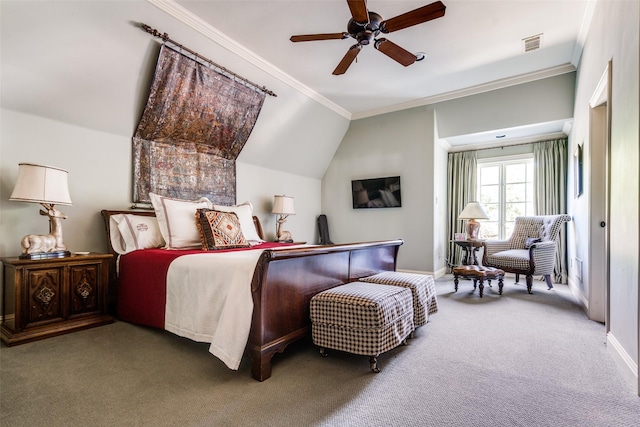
{"x":36,"y":243}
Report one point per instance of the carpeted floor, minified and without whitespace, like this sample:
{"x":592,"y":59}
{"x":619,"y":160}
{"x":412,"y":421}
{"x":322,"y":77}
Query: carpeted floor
{"x":510,"y":360}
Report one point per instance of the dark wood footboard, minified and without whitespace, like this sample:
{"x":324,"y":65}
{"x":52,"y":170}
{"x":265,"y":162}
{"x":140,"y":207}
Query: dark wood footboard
{"x":285,"y":281}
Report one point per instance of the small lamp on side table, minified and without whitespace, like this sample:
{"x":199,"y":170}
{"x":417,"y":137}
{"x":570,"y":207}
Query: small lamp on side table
{"x":48,"y":186}
{"x":472,"y":212}
{"x":283,"y":207}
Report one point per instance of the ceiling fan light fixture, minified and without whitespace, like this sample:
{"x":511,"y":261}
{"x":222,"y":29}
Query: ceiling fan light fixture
{"x":364,"y":26}
{"x":364,"y":37}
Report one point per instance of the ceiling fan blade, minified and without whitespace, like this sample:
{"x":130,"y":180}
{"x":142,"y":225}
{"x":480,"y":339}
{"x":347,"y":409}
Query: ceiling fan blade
{"x":414,"y":17}
{"x":395,"y":52}
{"x":359,"y":11}
{"x":347,"y":60}
{"x":314,"y":37}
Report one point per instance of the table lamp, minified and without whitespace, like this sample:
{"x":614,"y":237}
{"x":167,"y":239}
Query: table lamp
{"x":48,"y":186}
{"x":472,"y":212}
{"x":283,"y":207}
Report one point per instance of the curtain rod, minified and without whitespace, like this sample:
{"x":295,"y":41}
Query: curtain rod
{"x":510,"y":145}
{"x":165,"y":38}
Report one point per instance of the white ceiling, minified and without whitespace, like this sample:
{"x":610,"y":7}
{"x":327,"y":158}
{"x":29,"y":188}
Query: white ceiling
{"x":477,"y":42}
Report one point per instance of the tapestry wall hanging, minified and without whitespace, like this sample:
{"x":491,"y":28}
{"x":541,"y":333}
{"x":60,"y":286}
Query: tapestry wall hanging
{"x":195,"y":123}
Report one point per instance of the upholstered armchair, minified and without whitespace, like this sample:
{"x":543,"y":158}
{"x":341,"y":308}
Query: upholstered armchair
{"x":531,"y":249}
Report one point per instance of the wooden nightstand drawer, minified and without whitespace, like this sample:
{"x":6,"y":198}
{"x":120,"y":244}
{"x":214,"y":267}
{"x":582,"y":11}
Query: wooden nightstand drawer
{"x":44,"y":298}
{"x":43,"y":291}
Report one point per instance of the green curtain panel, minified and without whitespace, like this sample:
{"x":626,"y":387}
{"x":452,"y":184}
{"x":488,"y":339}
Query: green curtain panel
{"x":462,"y":173}
{"x":550,"y":182}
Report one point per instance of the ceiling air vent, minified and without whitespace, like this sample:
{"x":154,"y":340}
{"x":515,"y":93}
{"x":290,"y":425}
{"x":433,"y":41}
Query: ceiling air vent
{"x":532,"y":43}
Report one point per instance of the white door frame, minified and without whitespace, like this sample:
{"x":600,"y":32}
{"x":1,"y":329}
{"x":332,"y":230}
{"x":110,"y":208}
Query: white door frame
{"x":599,"y":143}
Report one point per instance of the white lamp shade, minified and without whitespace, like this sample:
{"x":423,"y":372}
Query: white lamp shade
{"x":283,"y":205}
{"x":41,"y":184}
{"x":473,"y":210}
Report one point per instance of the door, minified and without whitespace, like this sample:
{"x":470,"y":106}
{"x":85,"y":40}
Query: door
{"x":599,"y":132}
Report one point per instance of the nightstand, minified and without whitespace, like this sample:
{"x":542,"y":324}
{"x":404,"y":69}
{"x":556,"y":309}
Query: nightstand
{"x":49,"y":297}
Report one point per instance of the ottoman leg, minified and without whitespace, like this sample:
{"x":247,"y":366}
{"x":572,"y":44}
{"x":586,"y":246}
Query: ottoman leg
{"x":481,"y":286}
{"x":323,"y":352}
{"x":500,"y":284}
{"x":455,"y":282}
{"x":373,"y":362}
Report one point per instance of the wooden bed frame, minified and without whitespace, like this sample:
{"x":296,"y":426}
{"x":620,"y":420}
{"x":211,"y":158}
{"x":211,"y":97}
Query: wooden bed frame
{"x":284,"y":282}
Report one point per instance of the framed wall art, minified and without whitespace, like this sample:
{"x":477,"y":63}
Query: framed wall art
{"x":578,"y":170}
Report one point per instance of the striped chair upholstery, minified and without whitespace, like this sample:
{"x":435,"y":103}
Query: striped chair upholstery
{"x":362,"y":318}
{"x":514,"y":256}
{"x":423,"y":288}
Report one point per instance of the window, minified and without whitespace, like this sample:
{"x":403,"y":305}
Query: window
{"x":505,"y":187}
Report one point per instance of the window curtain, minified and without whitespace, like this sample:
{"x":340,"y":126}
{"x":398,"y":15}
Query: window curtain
{"x":550,"y":171}
{"x":462,"y":173}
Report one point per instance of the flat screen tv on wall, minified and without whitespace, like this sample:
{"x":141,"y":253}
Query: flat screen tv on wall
{"x":376,"y":193}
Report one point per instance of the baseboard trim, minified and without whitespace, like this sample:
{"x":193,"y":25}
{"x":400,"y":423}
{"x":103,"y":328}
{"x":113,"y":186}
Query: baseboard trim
{"x":575,"y":290}
{"x":436,"y":274}
{"x":628,"y":367}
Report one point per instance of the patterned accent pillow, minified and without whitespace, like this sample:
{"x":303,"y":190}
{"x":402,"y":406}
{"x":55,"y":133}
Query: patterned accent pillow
{"x":530,"y":241}
{"x":219,"y":230}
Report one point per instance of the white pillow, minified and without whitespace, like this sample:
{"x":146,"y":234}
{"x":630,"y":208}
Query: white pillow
{"x":244,"y":212}
{"x":130,"y":232}
{"x":177,"y":220}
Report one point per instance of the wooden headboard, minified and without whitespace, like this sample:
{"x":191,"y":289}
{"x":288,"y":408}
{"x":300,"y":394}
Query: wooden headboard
{"x":107,"y":214}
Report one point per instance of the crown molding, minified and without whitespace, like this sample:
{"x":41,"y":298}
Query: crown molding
{"x":194,"y":22}
{"x":583,"y":32}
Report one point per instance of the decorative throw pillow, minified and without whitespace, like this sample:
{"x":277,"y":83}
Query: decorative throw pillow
{"x":131,"y":232}
{"x":176,"y":219}
{"x":530,"y":241}
{"x":244,"y":212}
{"x":220,"y":230}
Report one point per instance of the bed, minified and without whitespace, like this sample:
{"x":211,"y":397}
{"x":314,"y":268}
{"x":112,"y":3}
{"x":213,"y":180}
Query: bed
{"x":282,"y":282}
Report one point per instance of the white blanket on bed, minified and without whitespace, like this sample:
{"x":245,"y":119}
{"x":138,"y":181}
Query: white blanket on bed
{"x":209,"y":300}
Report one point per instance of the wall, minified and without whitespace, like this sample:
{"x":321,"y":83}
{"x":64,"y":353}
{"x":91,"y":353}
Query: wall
{"x":259,"y":185}
{"x":100,"y":178}
{"x":613,"y":35}
{"x":75,"y":77}
{"x":440,"y":214}
{"x":407,"y":143}
{"x":539,"y":101}
{"x":392,"y":144}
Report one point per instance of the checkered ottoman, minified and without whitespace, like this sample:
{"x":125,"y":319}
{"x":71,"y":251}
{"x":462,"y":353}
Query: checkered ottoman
{"x":362,"y":318}
{"x":423,"y":288}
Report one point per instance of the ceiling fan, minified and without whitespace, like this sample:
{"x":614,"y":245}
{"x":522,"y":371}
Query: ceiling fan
{"x":365,"y":26}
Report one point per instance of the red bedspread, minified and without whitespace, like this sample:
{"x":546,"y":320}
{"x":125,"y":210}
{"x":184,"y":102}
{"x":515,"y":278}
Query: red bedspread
{"x":142,"y":279}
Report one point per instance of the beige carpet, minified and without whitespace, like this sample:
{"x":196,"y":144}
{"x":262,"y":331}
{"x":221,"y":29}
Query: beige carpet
{"x":510,"y":360}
